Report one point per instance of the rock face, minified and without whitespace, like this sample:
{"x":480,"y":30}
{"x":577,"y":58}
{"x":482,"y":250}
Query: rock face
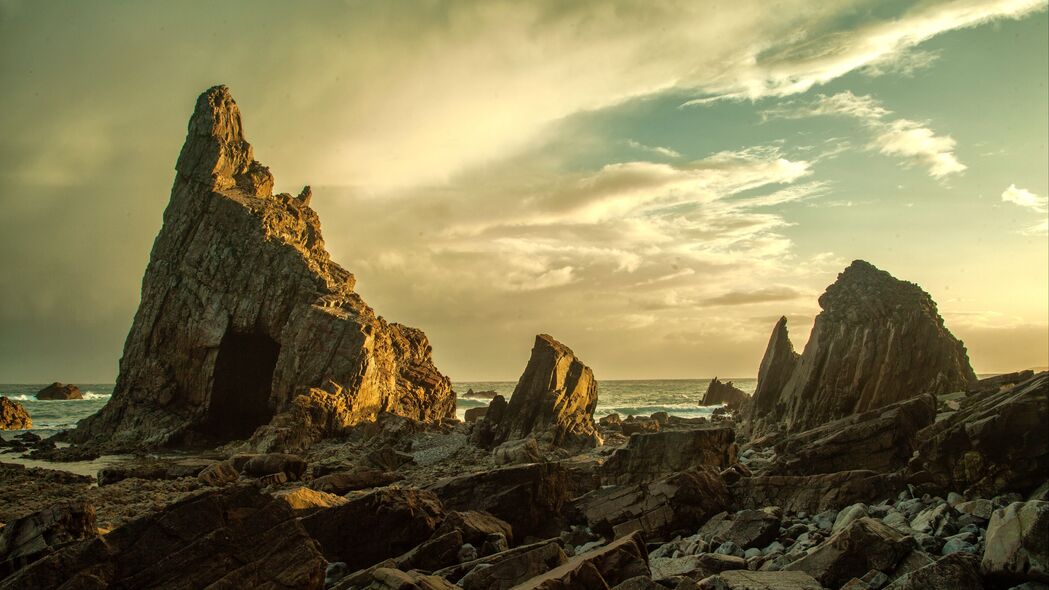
{"x":13,"y":416}
{"x":649,"y":456}
{"x":1018,"y":542}
{"x":27,"y":539}
{"x":243,"y":311}
{"x":878,"y":340}
{"x":234,"y":538}
{"x":773,"y":375}
{"x":554,"y":400}
{"x":60,"y":391}
{"x":719,"y":393}
{"x":994,"y":443}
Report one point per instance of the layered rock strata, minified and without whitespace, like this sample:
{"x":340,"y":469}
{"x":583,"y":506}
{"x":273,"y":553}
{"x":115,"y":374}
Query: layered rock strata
{"x":243,"y":311}
{"x":773,"y":375}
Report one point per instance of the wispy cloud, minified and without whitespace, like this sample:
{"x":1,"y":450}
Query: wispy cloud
{"x":1032,"y":201}
{"x":912,"y":141}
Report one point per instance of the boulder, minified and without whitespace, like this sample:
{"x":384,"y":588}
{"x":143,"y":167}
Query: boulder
{"x":649,"y":456}
{"x":746,"y":528}
{"x":611,"y":420}
{"x":726,"y":394}
{"x":439,"y":551}
{"x":475,"y":526}
{"x":773,"y":374}
{"x":474,"y":414}
{"x":344,"y":482}
{"x":509,"y":569}
{"x":233,"y":538}
{"x":880,"y":440}
{"x":60,"y":391}
{"x":550,"y":549}
{"x":1017,"y":542}
{"x":13,"y":416}
{"x":814,"y":493}
{"x":261,"y":465}
{"x":516,"y":452}
{"x":27,"y":539}
{"x":219,"y":474}
{"x":958,"y":570}
{"x":597,"y":569}
{"x":554,"y":400}
{"x":995,"y":443}
{"x":304,"y":501}
{"x":697,"y":566}
{"x":375,"y":526}
{"x":243,"y":312}
{"x":747,"y":580}
{"x":878,"y":341}
{"x":388,"y":459}
{"x":640,"y":425}
{"x":682,"y":501}
{"x":529,"y":497}
{"x":864,"y":545}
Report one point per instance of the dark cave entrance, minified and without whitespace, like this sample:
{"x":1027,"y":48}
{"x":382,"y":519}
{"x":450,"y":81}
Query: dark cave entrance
{"x":240,"y":391}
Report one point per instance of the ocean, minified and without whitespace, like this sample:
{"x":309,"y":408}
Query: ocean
{"x":641,"y":398}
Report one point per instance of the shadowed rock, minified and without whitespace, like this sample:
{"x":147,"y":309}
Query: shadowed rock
{"x":554,"y":400}
{"x":60,"y":391}
{"x":719,"y":393}
{"x":878,"y":340}
{"x":773,"y":375}
{"x":243,"y":313}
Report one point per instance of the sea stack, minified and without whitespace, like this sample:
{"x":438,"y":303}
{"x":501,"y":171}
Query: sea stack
{"x":726,"y":393}
{"x":13,"y":416}
{"x":243,"y":314}
{"x":554,"y":400}
{"x":878,"y":340}
{"x":60,"y":391}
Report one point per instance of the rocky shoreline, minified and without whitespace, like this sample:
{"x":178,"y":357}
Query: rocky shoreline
{"x":281,"y":434}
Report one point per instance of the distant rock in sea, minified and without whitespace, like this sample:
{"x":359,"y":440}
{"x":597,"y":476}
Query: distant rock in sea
{"x":878,"y":340}
{"x":726,"y":393}
{"x":485,"y":394}
{"x":244,"y":316}
{"x":60,"y":391}
{"x":553,"y":401}
{"x":13,"y":416}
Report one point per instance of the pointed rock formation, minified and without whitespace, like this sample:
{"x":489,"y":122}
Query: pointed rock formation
{"x":244,"y":316}
{"x":726,"y":393}
{"x":13,"y":416}
{"x":554,"y":400}
{"x":773,"y":375}
{"x":878,"y":340}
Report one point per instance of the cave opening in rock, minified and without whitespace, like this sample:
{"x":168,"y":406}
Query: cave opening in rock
{"x":241,"y":388}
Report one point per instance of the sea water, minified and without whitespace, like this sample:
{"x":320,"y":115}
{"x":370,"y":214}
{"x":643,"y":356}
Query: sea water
{"x":679,"y":397}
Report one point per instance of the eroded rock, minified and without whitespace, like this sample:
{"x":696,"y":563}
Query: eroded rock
{"x":13,"y":415}
{"x":60,"y":391}
{"x":726,"y":394}
{"x":649,"y":456}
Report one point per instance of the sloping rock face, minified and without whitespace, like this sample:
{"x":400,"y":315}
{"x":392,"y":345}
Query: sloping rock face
{"x":60,"y":391}
{"x":29,"y":538}
{"x":719,"y":393}
{"x":554,"y":400}
{"x":649,"y":456}
{"x":878,"y":340}
{"x":13,"y":416}
{"x":993,"y":444}
{"x":243,"y":310}
{"x":773,"y":375}
{"x":880,"y":440}
{"x":234,"y":538}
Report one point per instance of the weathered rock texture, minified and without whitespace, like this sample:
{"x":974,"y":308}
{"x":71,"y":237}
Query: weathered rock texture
{"x":719,"y":393}
{"x":649,"y":456}
{"x":995,"y":443}
{"x":878,"y":340}
{"x":35,"y":536}
{"x":13,"y":416}
{"x":60,"y":391}
{"x":773,"y":375}
{"x":242,"y":311}
{"x":554,"y":400}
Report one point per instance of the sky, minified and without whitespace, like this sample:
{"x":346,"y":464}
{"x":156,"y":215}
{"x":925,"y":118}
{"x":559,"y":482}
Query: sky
{"x":653,"y":183}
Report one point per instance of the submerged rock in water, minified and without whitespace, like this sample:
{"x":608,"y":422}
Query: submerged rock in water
{"x":878,"y":340}
{"x":554,"y":400}
{"x":243,"y":312}
{"x":726,"y":393}
{"x":13,"y":416}
{"x":60,"y":391}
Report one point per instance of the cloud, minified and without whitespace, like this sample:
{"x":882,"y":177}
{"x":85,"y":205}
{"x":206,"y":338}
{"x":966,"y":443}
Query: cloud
{"x":1027,"y":199}
{"x":659,"y":150}
{"x":912,"y":141}
{"x":766,"y":295}
{"x":904,"y":63}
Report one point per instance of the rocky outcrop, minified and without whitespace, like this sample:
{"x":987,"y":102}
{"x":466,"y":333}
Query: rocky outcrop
{"x":994,"y":443}
{"x":878,"y":340}
{"x":865,"y":545}
{"x":233,"y":538}
{"x":13,"y":416}
{"x":650,"y":456}
{"x":880,"y":440}
{"x":813,"y":493}
{"x":727,"y":394}
{"x":243,"y":311}
{"x":554,"y":401}
{"x":30,"y":538}
{"x":773,"y":375}
{"x":1018,"y":542}
{"x":60,"y":391}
